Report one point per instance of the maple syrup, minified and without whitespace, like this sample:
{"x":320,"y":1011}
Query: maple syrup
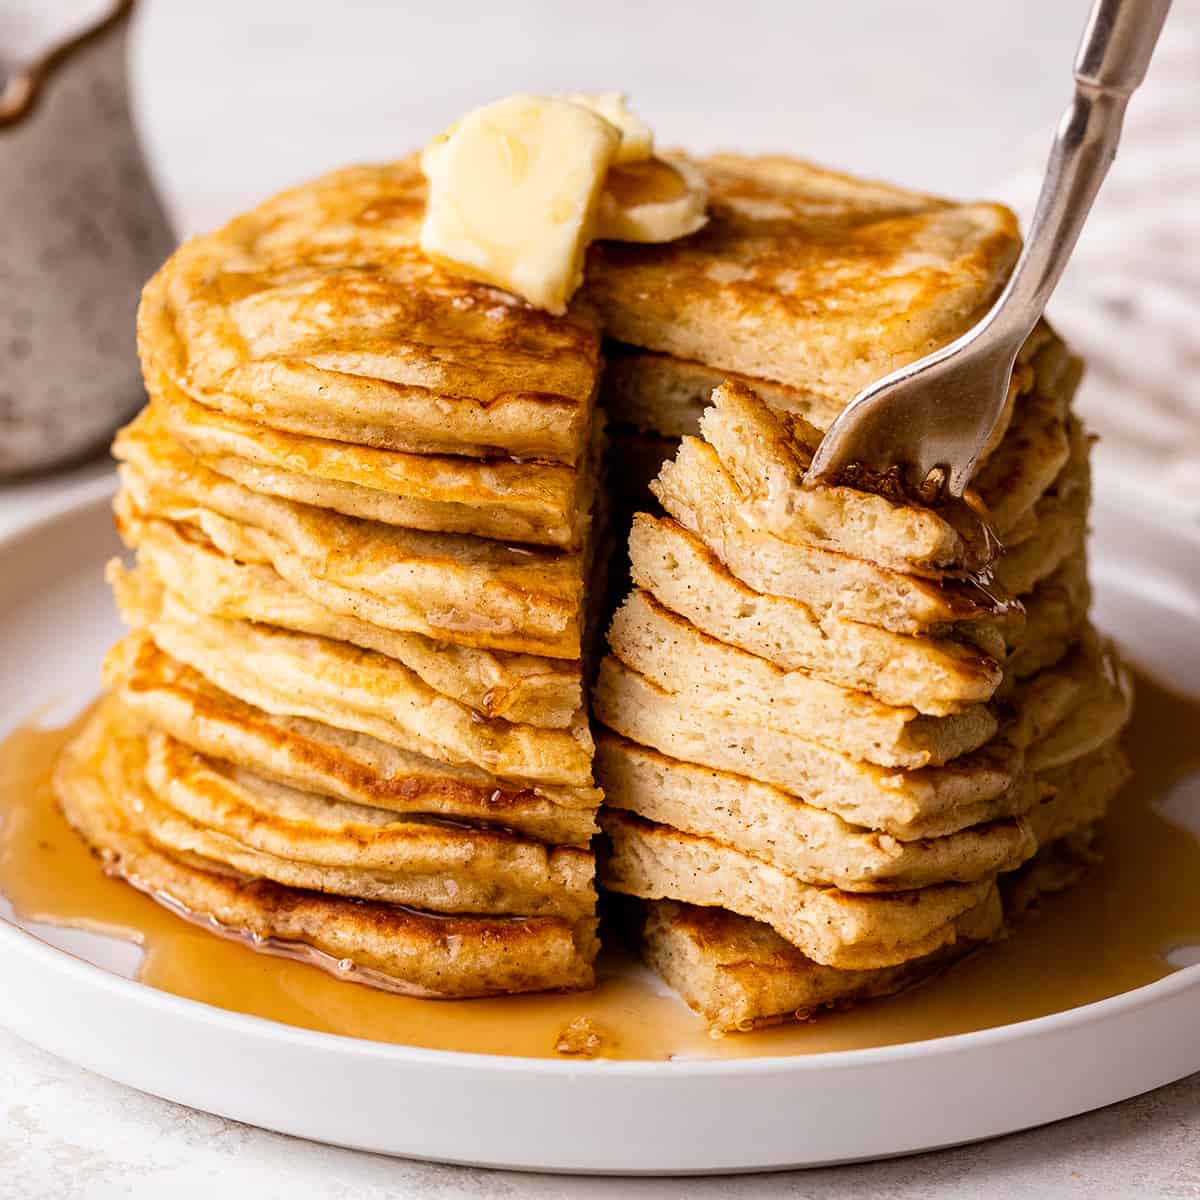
{"x":1112,"y":932}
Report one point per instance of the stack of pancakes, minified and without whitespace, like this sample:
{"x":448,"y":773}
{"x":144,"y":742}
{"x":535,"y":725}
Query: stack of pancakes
{"x":348,"y":720}
{"x":845,"y":732}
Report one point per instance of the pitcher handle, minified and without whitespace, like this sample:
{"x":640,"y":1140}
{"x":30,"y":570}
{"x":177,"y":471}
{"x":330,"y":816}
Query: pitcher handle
{"x":22,"y":91}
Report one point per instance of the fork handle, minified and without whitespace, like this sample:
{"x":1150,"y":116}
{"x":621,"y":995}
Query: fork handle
{"x":1112,"y":60}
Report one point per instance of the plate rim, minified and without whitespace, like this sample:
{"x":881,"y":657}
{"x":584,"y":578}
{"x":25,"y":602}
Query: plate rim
{"x":24,"y":941}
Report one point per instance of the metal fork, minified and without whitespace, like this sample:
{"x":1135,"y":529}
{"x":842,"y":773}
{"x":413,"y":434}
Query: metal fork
{"x":928,"y":422}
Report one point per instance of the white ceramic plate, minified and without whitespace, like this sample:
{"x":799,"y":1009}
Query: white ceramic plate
{"x":70,"y":993}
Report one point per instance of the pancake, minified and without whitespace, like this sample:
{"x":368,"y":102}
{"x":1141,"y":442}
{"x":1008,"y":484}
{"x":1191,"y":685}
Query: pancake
{"x":810,"y":278}
{"x":1045,"y":702}
{"x":645,"y":854}
{"x":1058,"y":525}
{"x":1054,"y":868}
{"x":839,"y":929}
{"x":665,"y":395}
{"x":318,"y":313}
{"x":292,"y":674}
{"x":739,"y":974}
{"x":264,"y":829}
{"x":100,"y":785}
{"x":1034,"y":450}
{"x":315,"y":757}
{"x":813,"y":844}
{"x":757,"y":463}
{"x":1055,"y":615}
{"x":722,"y":679}
{"x":935,"y":675}
{"x":1101,"y":711}
{"x":705,"y":500}
{"x":543,"y":503}
{"x":1071,"y":710}
{"x":1080,"y":792}
{"x":460,"y":589}
{"x":516,"y":687}
{"x":906,"y":804}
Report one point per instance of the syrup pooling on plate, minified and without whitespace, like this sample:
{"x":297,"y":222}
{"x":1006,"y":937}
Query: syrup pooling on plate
{"x":1105,"y":936}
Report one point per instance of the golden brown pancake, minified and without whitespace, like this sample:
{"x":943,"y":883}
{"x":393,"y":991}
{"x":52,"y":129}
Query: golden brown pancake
{"x":848,"y":930}
{"x":543,"y":503}
{"x":813,"y":844}
{"x":293,"y":674}
{"x":100,"y":784}
{"x":739,"y":974}
{"x":703,"y":498}
{"x":316,"y":757}
{"x":460,"y":589}
{"x":317,"y":313}
{"x":229,"y":815}
{"x":517,"y":687}
{"x":806,"y":277}
{"x":729,"y":682}
{"x":926,"y":802}
{"x":935,"y":674}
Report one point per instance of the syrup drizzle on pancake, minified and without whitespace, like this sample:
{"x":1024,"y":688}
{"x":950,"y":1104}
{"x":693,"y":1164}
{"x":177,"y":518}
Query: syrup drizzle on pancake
{"x":1110,"y":933}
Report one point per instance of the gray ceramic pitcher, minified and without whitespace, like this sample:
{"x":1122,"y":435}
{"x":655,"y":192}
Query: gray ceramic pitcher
{"x":80,"y":232}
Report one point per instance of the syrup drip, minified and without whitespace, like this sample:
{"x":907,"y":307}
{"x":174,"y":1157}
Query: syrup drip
{"x":1107,"y":935}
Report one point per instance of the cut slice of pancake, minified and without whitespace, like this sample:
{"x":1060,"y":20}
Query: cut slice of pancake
{"x":317,"y":312}
{"x":820,"y":847}
{"x":516,"y":687}
{"x":99,"y":783}
{"x":543,"y":503}
{"x":807,"y":277}
{"x":936,"y":676}
{"x":839,"y":929}
{"x":705,"y":500}
{"x":298,"y":675}
{"x":739,"y":974}
{"x":303,"y":840}
{"x":461,"y":589}
{"x":759,"y":461}
{"x":315,"y":757}
{"x":729,"y":682}
{"x":814,"y":845}
{"x":927,"y":802}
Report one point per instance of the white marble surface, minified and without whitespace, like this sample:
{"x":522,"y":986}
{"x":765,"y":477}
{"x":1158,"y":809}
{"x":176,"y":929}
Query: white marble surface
{"x":68,"y":1135}
{"x":239,"y":96}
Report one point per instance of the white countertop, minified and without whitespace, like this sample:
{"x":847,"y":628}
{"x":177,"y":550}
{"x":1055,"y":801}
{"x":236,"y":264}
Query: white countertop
{"x":220,"y":86}
{"x":69,"y":1135}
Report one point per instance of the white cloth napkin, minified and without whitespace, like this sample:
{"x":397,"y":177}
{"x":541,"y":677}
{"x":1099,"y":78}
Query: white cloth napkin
{"x":1130,"y":300}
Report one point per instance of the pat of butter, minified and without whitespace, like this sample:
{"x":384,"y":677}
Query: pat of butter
{"x":652,"y":201}
{"x":513,"y":193}
{"x":637,"y":142}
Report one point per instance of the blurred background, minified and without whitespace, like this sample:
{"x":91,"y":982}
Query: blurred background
{"x":236,"y":98}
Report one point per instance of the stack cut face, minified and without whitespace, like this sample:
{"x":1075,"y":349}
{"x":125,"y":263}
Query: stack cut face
{"x":348,"y":721}
{"x":845,"y":737}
